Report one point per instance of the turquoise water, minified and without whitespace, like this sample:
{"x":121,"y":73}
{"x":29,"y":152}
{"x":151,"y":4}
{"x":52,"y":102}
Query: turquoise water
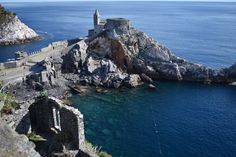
{"x":176,"y":120}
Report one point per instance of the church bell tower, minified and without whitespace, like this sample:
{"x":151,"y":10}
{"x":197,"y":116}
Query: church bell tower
{"x":96,"y":18}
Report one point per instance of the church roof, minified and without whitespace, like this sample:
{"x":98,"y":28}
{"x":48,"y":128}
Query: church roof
{"x":97,"y":12}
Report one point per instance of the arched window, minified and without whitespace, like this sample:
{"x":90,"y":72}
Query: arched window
{"x":56,"y":118}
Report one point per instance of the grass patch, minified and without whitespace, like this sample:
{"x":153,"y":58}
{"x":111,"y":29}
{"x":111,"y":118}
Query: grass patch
{"x":96,"y":149}
{"x":34,"y":137}
{"x":104,"y":154}
{"x":1,"y":84}
{"x":42,"y":94}
{"x":9,"y":104}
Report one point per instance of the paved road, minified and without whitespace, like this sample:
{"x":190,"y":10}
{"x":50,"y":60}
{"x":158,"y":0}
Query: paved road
{"x":11,"y":76}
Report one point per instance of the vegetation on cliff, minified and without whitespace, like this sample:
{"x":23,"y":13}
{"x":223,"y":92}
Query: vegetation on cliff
{"x":34,"y":137}
{"x":9,"y":103}
{"x":96,"y":149}
{"x":13,"y":31}
{"x":5,"y":16}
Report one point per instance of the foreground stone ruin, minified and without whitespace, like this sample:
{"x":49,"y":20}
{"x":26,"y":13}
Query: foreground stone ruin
{"x":61,"y":125}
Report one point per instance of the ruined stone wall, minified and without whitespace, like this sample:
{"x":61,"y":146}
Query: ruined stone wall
{"x":70,"y":129}
{"x":40,"y":116}
{"x":71,"y":125}
{"x":50,"y":47}
{"x":12,"y":64}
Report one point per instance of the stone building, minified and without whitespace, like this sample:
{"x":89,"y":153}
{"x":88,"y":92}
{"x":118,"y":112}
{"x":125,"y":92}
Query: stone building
{"x":62,"y":125}
{"x":45,"y":78}
{"x":111,"y":24}
{"x":20,"y":55}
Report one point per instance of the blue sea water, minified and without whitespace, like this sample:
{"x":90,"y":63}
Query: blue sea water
{"x":200,"y":32}
{"x":176,"y":120}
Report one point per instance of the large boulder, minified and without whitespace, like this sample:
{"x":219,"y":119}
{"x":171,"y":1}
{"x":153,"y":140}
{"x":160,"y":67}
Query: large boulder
{"x":75,"y":59}
{"x":104,"y":73}
{"x":133,"y":80}
{"x":167,"y":70}
{"x":152,"y":50}
{"x":101,"y":66}
{"x":100,"y":47}
{"x":93,"y":65}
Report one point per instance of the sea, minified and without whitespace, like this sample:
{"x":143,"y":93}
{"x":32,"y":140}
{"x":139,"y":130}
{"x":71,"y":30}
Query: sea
{"x":178,"y":119}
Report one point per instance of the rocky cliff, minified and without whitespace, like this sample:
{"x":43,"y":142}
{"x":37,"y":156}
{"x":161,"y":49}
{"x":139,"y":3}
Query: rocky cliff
{"x":13,"y":31}
{"x":125,"y":56}
{"x":13,"y":144}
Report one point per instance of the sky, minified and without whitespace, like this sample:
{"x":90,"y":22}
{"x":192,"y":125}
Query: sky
{"x":113,"y":0}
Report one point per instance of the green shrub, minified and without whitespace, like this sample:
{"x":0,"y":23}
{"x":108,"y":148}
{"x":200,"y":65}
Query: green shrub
{"x":9,"y":104}
{"x":43,"y":94}
{"x":2,"y":97}
{"x":96,"y":149}
{"x":1,"y":83}
{"x":34,"y":137}
{"x":104,"y":154}
{"x":5,"y":16}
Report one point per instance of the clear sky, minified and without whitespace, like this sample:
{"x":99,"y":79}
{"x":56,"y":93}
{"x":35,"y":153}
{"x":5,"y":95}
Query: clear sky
{"x":114,"y":0}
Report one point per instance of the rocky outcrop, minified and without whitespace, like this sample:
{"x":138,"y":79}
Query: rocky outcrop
{"x":13,"y":31}
{"x":142,"y":54}
{"x":76,"y":58}
{"x":13,"y":144}
{"x":231,"y":73}
{"x":114,"y":59}
{"x":133,"y":80}
{"x":126,"y":56}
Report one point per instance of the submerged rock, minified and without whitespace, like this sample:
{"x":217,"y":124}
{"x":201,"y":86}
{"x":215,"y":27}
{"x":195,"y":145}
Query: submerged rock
{"x":151,"y":86}
{"x":233,"y":84}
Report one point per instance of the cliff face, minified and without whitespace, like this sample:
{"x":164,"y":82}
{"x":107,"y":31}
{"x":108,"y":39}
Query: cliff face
{"x":146,"y":55}
{"x":13,"y":144}
{"x":13,"y":31}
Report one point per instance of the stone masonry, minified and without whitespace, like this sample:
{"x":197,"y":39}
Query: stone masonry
{"x":63,"y":124}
